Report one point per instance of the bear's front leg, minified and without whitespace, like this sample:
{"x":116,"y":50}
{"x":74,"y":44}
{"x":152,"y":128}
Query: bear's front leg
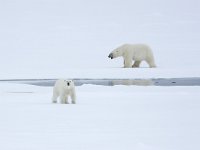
{"x":64,"y":100}
{"x":73,"y":98}
{"x":127,"y":62}
{"x":54,"y":98}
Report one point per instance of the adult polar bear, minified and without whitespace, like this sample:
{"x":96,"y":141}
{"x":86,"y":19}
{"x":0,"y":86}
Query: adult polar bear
{"x":64,"y":89}
{"x":136,"y":52}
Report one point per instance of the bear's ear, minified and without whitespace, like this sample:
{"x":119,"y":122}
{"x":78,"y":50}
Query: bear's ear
{"x":72,"y":81}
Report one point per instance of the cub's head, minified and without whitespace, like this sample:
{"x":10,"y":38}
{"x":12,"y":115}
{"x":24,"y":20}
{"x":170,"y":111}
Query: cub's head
{"x":116,"y":53}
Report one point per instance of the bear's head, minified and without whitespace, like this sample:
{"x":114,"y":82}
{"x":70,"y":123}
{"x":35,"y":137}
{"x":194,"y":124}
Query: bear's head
{"x":116,"y":52}
{"x":68,"y":83}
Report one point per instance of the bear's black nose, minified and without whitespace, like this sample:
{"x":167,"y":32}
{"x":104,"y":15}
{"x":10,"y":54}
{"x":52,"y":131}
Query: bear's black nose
{"x":68,"y":83}
{"x":110,"y":56}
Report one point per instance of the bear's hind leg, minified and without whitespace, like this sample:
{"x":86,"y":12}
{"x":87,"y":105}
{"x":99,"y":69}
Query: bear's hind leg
{"x":136,"y":64}
{"x":151,"y":63}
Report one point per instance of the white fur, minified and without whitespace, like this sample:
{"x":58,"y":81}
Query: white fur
{"x":136,"y":52}
{"x":63,"y":90}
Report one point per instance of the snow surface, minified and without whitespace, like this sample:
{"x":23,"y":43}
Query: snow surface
{"x":108,"y":118}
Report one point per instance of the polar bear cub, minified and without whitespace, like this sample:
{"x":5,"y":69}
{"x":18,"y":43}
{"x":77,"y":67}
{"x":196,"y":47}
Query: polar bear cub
{"x":136,"y":52}
{"x":63,"y":89}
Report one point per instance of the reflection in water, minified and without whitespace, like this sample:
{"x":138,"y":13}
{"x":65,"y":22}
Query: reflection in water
{"x":112,"y":82}
{"x":104,"y":82}
{"x":141,"y":82}
{"x":193,"y":81}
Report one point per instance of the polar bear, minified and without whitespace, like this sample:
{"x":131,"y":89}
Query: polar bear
{"x":136,"y":52}
{"x":63,"y":89}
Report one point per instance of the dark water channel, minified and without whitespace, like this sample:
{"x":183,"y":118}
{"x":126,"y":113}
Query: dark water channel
{"x":193,"y":81}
